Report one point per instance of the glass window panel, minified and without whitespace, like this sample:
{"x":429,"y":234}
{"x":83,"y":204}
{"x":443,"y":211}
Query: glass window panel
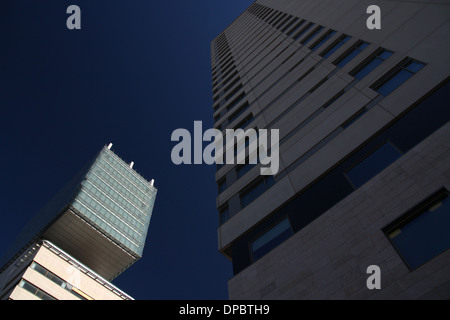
{"x":426,"y":236}
{"x":394,"y":82}
{"x":271,"y":238}
{"x":414,"y":66}
{"x":368,"y":68}
{"x":373,"y":164}
{"x":312,"y":35}
{"x":242,"y":170}
{"x":325,"y":39}
{"x":352,"y":54}
{"x":328,"y":52}
{"x":253,"y":193}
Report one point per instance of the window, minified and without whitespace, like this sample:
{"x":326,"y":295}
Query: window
{"x":297,"y":26}
{"x":397,"y":76}
{"x":48,"y":274}
{"x":423,"y":232}
{"x":372,"y":164}
{"x":350,"y":54}
{"x":270,"y":239}
{"x":335,"y":46}
{"x":298,"y":35}
{"x":312,"y":35}
{"x":322,"y":40}
{"x":222,"y":184}
{"x":244,"y":123}
{"x":366,"y":67}
{"x":255,"y":190}
{"x":238,"y":112}
{"x":289,"y":25}
{"x":224,"y":214}
{"x":34,"y":290}
{"x":244,"y":168}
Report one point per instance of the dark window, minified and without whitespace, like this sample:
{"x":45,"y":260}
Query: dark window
{"x":335,"y":46}
{"x":270,"y":239}
{"x":298,"y":35}
{"x":368,"y":66}
{"x":322,"y":40}
{"x":244,"y":123}
{"x":289,"y":25}
{"x":255,"y":190}
{"x":222,"y":184}
{"x":238,"y":112}
{"x":372,"y":164}
{"x":297,"y":26}
{"x":243,"y":169}
{"x":224,"y":214}
{"x":424,"y":232}
{"x":349,"y":55}
{"x":397,"y":76}
{"x":312,"y":35}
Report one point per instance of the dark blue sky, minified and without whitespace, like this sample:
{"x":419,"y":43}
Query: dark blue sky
{"x":135,"y":72}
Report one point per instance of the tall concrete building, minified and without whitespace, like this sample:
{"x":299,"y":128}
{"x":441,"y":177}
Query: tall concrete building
{"x":88,"y":234}
{"x":363,"y":116}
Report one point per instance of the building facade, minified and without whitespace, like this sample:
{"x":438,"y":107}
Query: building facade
{"x":97,"y":224}
{"x":364,"y":129}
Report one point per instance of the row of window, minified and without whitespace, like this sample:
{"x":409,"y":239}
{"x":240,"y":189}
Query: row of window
{"x":419,"y":235}
{"x":109,"y":216}
{"x":97,"y":216}
{"x":138,"y":193}
{"x":390,"y":82}
{"x":118,"y":193}
{"x":126,"y":171}
{"x":97,"y":191}
{"x":60,"y":282}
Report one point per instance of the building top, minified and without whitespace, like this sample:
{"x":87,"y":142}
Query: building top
{"x":101,"y":216}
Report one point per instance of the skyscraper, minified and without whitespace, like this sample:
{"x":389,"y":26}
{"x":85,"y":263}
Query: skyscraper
{"x":364,"y":173}
{"x":93,"y":229}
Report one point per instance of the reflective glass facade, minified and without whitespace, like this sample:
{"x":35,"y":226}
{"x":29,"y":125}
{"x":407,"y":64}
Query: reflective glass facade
{"x":117,"y":200}
{"x":108,"y":194}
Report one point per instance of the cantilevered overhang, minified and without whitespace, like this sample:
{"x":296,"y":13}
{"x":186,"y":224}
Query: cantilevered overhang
{"x":75,"y":234}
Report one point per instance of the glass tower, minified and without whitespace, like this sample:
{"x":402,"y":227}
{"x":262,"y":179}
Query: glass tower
{"x":100,"y":217}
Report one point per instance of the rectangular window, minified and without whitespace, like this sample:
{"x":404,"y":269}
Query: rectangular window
{"x":302,"y":32}
{"x":312,"y":35}
{"x":297,"y":26}
{"x":350,"y":54}
{"x":224,"y":214}
{"x":289,"y":25}
{"x":397,"y":76}
{"x":368,"y":66}
{"x":238,"y":112}
{"x":423,"y":232}
{"x":35,"y":290}
{"x":244,"y":168}
{"x":255,"y":190}
{"x":335,"y":46}
{"x":372,"y":164}
{"x":244,"y":123}
{"x":222,"y":185}
{"x":322,"y":40}
{"x":270,"y":239}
